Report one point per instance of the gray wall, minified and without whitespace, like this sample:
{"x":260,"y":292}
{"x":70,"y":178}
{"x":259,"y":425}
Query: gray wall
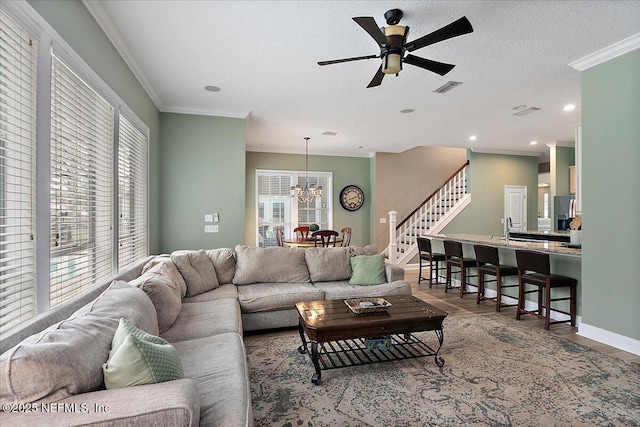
{"x":78,"y":28}
{"x":489,"y":173}
{"x":611,"y":195}
{"x":202,"y":171}
{"x":346,"y":170}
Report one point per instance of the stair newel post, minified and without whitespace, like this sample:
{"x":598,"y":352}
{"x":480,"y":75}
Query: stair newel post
{"x":393,"y":246}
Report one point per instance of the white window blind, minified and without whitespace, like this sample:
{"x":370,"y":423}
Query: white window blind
{"x":132,"y":194}
{"x":274,"y":206}
{"x":81,"y":188}
{"x":17,"y":173}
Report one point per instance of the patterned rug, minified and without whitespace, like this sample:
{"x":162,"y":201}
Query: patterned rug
{"x":497,"y":372}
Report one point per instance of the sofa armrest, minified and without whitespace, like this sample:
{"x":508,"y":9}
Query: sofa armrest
{"x":393,"y":272}
{"x":174,"y":403}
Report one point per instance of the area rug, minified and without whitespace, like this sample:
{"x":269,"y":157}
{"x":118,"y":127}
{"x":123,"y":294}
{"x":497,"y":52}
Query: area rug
{"x":497,"y":372}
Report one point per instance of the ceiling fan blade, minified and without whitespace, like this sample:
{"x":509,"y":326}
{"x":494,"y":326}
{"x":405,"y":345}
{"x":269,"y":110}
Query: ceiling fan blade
{"x":370,"y":26}
{"x":435,"y":66}
{"x":377,"y":79}
{"x":355,"y":58}
{"x":455,"y":29}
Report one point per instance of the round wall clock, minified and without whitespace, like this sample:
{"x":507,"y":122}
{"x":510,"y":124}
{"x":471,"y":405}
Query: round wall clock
{"x":351,"y":198}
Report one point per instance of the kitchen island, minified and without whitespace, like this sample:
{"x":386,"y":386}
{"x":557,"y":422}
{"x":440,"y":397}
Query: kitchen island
{"x":564,"y":260}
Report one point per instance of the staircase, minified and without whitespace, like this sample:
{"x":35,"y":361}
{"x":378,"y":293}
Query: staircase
{"x":430,"y":217}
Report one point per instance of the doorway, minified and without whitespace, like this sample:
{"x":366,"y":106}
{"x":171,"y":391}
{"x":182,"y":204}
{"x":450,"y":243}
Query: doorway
{"x":515,"y":207}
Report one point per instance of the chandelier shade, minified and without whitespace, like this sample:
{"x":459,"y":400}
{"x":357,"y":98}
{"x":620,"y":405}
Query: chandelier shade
{"x":310,"y":192}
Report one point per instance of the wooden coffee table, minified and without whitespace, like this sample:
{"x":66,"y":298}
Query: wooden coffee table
{"x":339,"y":338}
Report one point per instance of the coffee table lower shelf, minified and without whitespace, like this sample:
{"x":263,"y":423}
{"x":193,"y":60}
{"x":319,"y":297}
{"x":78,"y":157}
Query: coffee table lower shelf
{"x":354,"y":352}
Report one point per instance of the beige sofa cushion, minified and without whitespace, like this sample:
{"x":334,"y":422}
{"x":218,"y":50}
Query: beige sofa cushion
{"x":328,"y":263}
{"x":170,"y":273}
{"x":343,"y":290}
{"x":66,"y":358}
{"x":224,"y":262}
{"x":275,"y":296}
{"x":197,"y":270}
{"x":164,"y":294}
{"x":205,"y":319}
{"x":270,"y":265}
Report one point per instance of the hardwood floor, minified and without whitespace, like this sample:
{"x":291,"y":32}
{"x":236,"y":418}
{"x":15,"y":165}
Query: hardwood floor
{"x":456,"y":306}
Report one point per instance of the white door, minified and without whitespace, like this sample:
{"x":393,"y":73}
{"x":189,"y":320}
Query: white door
{"x":515,"y":207}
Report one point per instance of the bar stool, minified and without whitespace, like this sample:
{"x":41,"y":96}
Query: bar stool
{"x":454,"y":258}
{"x":488,"y":262}
{"x":434,"y":258}
{"x":534,"y":269}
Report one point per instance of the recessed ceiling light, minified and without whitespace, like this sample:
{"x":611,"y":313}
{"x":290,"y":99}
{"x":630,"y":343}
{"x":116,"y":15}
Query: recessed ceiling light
{"x":533,"y":142}
{"x":569,"y":107}
{"x":407,"y":110}
{"x":328,"y":133}
{"x":212,"y":88}
{"x":473,"y":138}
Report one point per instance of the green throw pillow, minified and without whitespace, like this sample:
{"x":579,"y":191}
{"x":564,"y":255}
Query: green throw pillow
{"x":367,"y":270}
{"x":137,"y":358}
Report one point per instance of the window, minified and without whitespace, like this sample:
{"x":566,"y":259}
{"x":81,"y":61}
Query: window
{"x":132,"y":193}
{"x":276,"y":209}
{"x":17,"y":174}
{"x":81,"y":185}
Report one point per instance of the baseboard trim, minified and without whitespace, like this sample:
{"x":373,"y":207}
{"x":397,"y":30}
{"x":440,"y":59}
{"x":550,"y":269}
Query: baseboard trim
{"x":612,"y":339}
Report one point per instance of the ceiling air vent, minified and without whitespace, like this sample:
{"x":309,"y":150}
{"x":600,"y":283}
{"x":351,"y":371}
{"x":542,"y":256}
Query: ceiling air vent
{"x":447,"y":87}
{"x":526,"y":111}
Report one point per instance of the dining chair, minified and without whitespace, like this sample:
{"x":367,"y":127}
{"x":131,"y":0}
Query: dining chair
{"x":325,"y":237}
{"x":302,"y":232}
{"x":346,"y":236}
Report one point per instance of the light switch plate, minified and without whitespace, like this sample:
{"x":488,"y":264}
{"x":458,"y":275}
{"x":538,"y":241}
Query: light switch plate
{"x":210,"y":228}
{"x":383,"y":220}
{"x":216,"y":217}
{"x":208,"y":218}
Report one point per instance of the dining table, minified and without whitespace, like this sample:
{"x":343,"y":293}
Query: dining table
{"x":302,"y":242}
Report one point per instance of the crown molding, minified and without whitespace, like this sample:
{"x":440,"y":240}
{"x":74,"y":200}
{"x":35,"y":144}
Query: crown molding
{"x":482,"y":150}
{"x":610,"y":52}
{"x":561,"y":144}
{"x":102,"y":17}
{"x":334,"y":153}
{"x":234,"y":114}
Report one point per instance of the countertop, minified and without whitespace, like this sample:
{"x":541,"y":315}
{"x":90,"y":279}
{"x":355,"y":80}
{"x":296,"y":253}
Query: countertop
{"x":550,"y":247}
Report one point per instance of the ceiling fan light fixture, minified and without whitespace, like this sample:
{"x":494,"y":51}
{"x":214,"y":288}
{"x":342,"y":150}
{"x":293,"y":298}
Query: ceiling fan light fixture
{"x":392,"y":63}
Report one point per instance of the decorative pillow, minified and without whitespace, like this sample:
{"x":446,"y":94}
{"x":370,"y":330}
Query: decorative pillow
{"x":224,"y":262}
{"x":328,"y":264}
{"x":367,"y":270}
{"x":138,"y":358}
{"x":270,"y":265}
{"x":164,"y":295}
{"x":367,"y":250}
{"x":170,"y":271}
{"x":66,"y":358}
{"x":197,"y":270}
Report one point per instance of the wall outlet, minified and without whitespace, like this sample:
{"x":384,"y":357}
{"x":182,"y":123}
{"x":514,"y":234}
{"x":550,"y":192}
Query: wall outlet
{"x":210,"y":228}
{"x":208,"y":218}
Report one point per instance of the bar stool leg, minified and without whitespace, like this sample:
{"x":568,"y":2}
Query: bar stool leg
{"x":480,"y":287}
{"x":463,"y":279}
{"x":448,"y":279}
{"x":572,"y":305}
{"x":431,"y":272}
{"x":520,"y":297}
{"x":547,"y":311}
{"x":498,"y":289}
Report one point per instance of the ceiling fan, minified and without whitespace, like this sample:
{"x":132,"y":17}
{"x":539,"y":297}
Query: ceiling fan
{"x":392,"y":41}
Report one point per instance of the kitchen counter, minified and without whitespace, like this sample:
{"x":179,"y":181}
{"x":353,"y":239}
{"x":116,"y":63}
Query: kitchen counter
{"x":556,"y":236}
{"x":551,"y":247}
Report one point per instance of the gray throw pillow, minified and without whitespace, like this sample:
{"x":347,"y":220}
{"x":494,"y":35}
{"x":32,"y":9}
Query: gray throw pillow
{"x":270,"y":265}
{"x":164,"y":295}
{"x":224,"y":262}
{"x":197,"y":270}
{"x":328,"y":264}
{"x":170,"y":273}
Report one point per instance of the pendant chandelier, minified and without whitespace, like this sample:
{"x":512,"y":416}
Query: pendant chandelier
{"x":310,"y":192}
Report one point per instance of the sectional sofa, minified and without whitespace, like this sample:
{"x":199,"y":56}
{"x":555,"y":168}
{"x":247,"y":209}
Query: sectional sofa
{"x":162,"y":342}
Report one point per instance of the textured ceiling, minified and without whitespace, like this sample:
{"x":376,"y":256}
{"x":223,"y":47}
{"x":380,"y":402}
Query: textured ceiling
{"x":263,"y":55}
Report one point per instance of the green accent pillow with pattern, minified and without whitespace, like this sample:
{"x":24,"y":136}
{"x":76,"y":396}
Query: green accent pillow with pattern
{"x":137,"y":358}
